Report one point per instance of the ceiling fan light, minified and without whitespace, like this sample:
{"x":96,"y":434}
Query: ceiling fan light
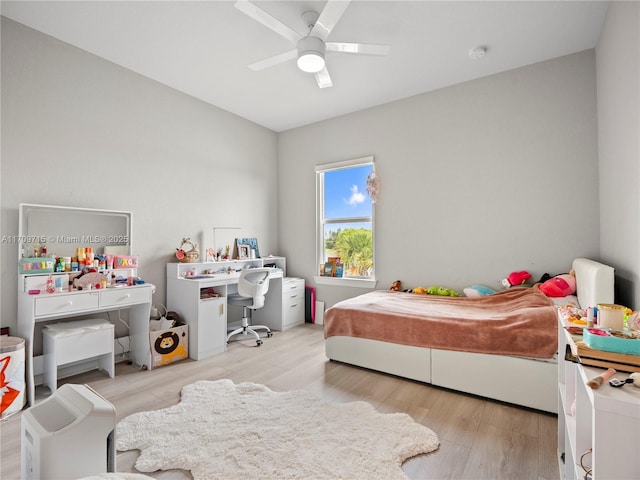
{"x":311,"y":62}
{"x":311,"y":54}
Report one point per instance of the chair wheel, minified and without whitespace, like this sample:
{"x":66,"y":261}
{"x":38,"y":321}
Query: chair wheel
{"x":269,"y":334}
{"x":259,"y":342}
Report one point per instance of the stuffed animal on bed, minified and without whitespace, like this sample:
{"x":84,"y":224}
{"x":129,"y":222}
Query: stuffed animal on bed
{"x":478,"y":291}
{"x":559,"y":286}
{"x":516,"y":279}
{"x":442,"y":291}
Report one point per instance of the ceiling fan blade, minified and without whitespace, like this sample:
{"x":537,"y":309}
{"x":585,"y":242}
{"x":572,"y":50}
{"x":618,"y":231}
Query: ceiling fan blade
{"x":329,"y":17}
{"x":323,"y":78}
{"x":267,"y":20}
{"x":362,"y":48}
{"x":275,"y":60}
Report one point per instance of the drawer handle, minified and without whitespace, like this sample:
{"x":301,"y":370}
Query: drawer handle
{"x":294,"y":305}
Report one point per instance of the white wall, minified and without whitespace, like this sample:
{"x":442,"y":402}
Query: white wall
{"x":618,"y":78}
{"x":477,"y":180}
{"x":80,"y":131}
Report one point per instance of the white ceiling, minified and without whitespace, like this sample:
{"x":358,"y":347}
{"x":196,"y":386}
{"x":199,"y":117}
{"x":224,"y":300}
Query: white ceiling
{"x":202,"y":48}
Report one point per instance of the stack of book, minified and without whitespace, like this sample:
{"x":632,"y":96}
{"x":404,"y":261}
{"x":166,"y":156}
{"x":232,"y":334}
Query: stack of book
{"x":333,"y":267}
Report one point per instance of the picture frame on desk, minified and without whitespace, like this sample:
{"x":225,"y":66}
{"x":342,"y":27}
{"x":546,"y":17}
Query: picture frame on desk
{"x":243,"y":252}
{"x":252,"y":243}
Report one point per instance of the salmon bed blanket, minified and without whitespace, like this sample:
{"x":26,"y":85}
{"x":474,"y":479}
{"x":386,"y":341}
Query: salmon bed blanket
{"x":520,"y":321}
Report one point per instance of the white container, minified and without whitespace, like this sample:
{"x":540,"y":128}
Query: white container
{"x":11,"y":375}
{"x":168,"y":346}
{"x":610,"y":316}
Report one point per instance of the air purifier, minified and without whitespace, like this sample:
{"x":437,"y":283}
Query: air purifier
{"x":68,"y":435}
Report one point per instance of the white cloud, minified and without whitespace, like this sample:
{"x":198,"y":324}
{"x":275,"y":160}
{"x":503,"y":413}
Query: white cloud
{"x":356,"y":196}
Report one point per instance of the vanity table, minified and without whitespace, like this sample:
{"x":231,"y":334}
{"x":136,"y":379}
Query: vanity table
{"x":63,"y":229}
{"x":33,"y":309}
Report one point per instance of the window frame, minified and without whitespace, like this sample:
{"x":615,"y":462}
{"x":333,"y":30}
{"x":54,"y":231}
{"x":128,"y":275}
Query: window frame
{"x":364,"y":282}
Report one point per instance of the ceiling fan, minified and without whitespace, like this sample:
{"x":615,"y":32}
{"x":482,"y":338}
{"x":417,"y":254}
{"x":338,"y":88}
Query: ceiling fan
{"x":310,"y":48}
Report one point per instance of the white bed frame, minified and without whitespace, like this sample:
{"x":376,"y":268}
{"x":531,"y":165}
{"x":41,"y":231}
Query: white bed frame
{"x":527,"y":382}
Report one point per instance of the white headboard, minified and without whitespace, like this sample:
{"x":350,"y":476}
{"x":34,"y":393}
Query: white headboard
{"x":594,"y":282}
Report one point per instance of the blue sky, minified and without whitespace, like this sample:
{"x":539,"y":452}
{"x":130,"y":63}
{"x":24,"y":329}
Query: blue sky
{"x":346,"y":192}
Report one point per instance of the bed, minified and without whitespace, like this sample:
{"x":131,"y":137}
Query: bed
{"x":503,"y":346}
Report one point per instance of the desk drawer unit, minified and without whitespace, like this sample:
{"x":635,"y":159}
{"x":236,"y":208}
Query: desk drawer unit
{"x":292,"y":302}
{"x":61,"y":304}
{"x":124,"y":296}
{"x":284,"y":305}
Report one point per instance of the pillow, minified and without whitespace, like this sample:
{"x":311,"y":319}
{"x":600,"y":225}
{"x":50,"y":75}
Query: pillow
{"x":559,"y":286}
{"x":478,"y":291}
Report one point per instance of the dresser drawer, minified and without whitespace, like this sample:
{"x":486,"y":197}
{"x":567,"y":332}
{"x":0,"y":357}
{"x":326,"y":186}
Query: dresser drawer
{"x":292,"y":313}
{"x":292,"y":296}
{"x":125,"y":296}
{"x":292,"y":284}
{"x":60,"y":304}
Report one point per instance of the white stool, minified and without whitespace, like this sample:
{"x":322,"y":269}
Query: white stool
{"x":68,"y":342}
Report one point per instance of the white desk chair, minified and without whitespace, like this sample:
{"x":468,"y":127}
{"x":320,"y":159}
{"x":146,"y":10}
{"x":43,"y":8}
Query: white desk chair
{"x":253,"y":284}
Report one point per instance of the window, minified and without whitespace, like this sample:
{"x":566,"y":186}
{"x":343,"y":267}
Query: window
{"x":345,"y":219}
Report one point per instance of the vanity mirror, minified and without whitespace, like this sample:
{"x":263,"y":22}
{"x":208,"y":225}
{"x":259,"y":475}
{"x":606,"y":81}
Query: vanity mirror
{"x":63,"y":229}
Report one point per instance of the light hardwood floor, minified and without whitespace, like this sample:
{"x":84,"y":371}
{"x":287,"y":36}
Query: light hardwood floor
{"x":479,"y":439}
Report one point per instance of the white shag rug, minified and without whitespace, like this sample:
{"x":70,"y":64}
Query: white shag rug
{"x":221,"y":430}
{"x":118,"y":476}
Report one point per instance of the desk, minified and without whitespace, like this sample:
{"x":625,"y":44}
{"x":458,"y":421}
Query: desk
{"x":188,"y":288}
{"x":33,"y":309}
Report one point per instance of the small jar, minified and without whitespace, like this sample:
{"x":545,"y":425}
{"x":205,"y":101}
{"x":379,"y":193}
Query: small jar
{"x":610,"y":316}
